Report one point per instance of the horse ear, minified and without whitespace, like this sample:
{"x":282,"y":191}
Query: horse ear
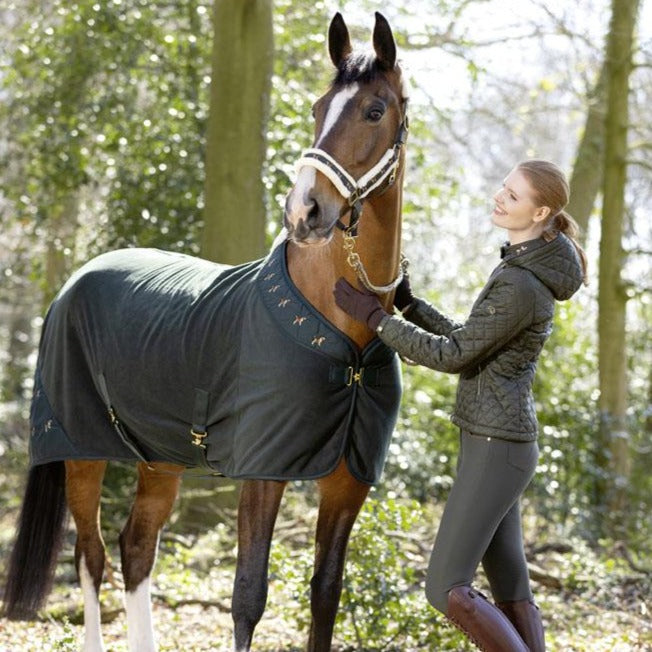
{"x":339,"y":43}
{"x":384,"y":44}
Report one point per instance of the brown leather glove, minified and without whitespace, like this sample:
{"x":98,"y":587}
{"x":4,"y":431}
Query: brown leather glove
{"x":362,"y":305}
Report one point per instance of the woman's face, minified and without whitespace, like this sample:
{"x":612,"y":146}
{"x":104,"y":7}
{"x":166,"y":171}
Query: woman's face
{"x":516,"y":211}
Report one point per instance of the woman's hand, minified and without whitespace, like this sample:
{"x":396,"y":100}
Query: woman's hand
{"x":363,"y":306}
{"x":403,"y":297}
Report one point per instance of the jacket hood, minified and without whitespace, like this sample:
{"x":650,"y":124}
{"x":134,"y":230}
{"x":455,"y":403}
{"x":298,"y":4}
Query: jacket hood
{"x":555,"y":263}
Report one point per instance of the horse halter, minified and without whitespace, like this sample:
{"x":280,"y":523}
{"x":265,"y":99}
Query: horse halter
{"x":355,"y":191}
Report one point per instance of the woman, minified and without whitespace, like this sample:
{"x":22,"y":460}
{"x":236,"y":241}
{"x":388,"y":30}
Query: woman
{"x":495,"y":353}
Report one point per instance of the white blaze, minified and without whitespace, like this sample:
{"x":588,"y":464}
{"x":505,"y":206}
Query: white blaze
{"x":296,"y":209}
{"x":335,"y":110}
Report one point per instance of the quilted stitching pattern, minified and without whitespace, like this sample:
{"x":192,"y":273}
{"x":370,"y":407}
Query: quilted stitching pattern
{"x":496,"y":350}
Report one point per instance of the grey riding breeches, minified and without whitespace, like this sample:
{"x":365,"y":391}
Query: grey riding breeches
{"x":482,"y":521}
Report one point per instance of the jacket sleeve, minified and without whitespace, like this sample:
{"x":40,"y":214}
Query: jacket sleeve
{"x":424,"y":314}
{"x":505,"y":310}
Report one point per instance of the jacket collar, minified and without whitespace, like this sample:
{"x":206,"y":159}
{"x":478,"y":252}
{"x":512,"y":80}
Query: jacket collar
{"x":508,"y":250}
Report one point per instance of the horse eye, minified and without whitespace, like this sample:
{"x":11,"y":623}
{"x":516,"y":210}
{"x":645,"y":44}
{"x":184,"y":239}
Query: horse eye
{"x":375,"y":114}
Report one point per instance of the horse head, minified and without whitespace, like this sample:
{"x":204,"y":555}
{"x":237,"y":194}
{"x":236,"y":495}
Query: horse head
{"x":360,"y":126}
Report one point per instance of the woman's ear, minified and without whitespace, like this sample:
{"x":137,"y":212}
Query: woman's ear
{"x":541,"y":213}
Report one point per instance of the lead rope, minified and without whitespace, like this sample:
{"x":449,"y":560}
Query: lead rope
{"x":354,"y":261}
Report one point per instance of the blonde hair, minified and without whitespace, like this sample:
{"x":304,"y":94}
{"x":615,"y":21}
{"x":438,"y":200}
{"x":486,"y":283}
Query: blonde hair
{"x":552,"y":190}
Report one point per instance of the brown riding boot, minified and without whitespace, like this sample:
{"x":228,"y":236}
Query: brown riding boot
{"x":483,"y":623}
{"x":526,"y":617}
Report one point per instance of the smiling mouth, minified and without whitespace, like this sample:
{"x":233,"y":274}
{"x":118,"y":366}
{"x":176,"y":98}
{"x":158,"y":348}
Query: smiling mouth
{"x":499,"y":211}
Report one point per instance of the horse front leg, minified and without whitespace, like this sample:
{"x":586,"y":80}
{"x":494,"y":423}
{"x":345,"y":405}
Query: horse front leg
{"x":83,"y":491}
{"x":158,"y":485}
{"x":342,"y":497}
{"x":257,"y":510}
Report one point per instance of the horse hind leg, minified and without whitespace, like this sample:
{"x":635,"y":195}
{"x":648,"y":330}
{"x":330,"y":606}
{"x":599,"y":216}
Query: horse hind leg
{"x":158,"y":485}
{"x":342,"y":496}
{"x":257,"y":510}
{"x":83,"y":489}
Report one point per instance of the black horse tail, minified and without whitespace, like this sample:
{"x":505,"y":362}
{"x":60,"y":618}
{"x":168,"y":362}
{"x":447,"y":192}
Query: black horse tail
{"x":38,"y":540}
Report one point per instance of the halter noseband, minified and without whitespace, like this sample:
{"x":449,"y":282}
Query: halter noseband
{"x":355,"y":191}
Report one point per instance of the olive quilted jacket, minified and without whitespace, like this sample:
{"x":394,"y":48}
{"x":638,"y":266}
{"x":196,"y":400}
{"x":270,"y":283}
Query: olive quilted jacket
{"x":496,"y":350}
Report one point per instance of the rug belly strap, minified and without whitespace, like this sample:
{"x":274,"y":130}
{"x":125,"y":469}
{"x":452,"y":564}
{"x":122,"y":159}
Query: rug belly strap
{"x":128,"y":441}
{"x":199,"y":429}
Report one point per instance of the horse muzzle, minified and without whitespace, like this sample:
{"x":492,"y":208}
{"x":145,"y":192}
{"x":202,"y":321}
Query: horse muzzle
{"x":308,"y":220}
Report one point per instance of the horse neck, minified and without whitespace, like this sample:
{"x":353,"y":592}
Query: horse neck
{"x":314,"y":270}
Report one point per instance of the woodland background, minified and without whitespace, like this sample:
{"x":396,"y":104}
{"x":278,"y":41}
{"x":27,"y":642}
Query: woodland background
{"x":176,"y":123}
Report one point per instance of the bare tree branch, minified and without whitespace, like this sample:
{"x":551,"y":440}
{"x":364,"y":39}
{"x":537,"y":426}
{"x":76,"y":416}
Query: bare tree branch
{"x":641,"y":163}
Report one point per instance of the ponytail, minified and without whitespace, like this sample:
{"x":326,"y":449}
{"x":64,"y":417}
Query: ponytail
{"x":562,"y":222}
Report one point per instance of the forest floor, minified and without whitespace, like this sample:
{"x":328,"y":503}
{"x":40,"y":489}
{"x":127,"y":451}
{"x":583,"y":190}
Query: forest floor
{"x":591,"y":600}
{"x":576,"y":627}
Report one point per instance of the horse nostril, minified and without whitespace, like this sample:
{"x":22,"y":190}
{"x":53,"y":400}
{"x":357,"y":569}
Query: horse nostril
{"x":313,"y":213}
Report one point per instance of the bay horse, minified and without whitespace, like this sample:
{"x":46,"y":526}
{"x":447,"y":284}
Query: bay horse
{"x":357,"y":156}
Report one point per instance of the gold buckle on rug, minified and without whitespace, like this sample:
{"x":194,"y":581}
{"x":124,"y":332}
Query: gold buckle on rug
{"x":197,"y":438}
{"x":353,"y":376}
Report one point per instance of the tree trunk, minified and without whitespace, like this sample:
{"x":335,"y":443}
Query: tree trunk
{"x":614,"y":441}
{"x":586,"y":178}
{"x":234,"y":212}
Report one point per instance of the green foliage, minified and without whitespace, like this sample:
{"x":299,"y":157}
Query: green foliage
{"x":67,"y":640}
{"x":640,"y":422}
{"x":383,"y":606}
{"x":566,"y":390}
{"x":423,"y":451}
{"x":107,"y":104}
